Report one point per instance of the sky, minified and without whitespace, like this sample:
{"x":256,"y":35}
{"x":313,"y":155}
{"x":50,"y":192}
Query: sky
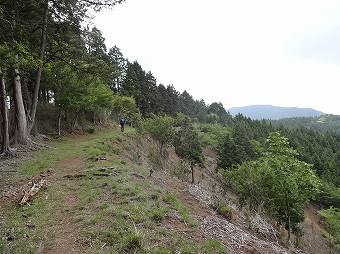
{"x":237,"y":52}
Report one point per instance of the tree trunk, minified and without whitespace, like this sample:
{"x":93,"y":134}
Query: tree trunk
{"x":21,"y":120}
{"x":73,"y":125}
{"x":59,"y":124}
{"x":288,"y":217}
{"x":161,"y":149}
{"x":192,"y":172}
{"x":288,"y":228}
{"x":28,"y":105}
{"x":5,"y":133}
{"x":39,"y":72}
{"x":22,"y":137}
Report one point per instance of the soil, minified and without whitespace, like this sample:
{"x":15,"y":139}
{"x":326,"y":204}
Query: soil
{"x":65,"y":230}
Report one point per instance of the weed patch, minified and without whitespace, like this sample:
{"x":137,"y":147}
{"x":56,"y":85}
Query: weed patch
{"x":214,"y":246}
{"x":133,"y":242}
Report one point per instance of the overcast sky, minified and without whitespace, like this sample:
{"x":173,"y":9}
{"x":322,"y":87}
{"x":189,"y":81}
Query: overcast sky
{"x":238,"y":52}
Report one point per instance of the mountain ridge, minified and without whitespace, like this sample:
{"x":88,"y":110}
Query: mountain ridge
{"x":258,"y":112}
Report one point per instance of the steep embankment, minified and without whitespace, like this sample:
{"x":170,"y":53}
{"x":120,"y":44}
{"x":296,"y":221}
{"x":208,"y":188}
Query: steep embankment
{"x":101,"y":199}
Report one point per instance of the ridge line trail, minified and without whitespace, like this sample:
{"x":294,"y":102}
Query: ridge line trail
{"x":72,"y":206}
{"x":64,"y":230}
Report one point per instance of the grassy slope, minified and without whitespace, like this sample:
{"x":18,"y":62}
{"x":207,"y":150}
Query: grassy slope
{"x":127,"y":211}
{"x":83,"y":212}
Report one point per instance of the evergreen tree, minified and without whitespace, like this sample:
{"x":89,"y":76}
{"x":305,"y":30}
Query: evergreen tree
{"x":226,"y":156}
{"x":172,"y":101}
{"x":201,"y":111}
{"x":160,"y":129}
{"x":277,"y":181}
{"x":141,"y":86}
{"x":118,"y":63}
{"x":151,"y":94}
{"x":188,"y":147}
{"x":162,"y":100}
{"x":219,"y":110}
{"x":186,"y":104}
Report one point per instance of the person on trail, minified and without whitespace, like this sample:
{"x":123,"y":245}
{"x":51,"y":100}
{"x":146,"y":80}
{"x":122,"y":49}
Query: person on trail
{"x":122,"y":123}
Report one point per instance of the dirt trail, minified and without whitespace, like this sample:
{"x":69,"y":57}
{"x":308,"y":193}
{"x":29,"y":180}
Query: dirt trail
{"x":65,"y":230}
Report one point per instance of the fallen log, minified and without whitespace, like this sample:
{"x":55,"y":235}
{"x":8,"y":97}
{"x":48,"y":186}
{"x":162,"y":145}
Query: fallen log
{"x":137,"y":175}
{"x":32,"y":191}
{"x":99,"y":159}
{"x":74,"y":176}
{"x":100,"y":169}
{"x":102,"y":174}
{"x":7,"y":171}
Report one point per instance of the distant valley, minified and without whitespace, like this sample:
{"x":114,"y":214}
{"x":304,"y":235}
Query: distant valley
{"x":273,"y":112}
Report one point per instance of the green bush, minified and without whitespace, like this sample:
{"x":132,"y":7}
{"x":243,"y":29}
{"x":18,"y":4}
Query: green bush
{"x":329,"y":195}
{"x":211,"y":134}
{"x":155,"y":160}
{"x":225,"y":211}
{"x":161,"y":131}
{"x":91,"y":130}
{"x":332,"y":219}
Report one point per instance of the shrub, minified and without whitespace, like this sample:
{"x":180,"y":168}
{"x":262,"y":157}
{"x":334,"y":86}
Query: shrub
{"x":155,"y":160}
{"x":225,"y":211}
{"x":160,"y":129}
{"x":332,"y":219}
{"x":91,"y":130}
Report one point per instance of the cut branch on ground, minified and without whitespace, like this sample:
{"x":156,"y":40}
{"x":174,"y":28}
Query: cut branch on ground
{"x":36,"y":187}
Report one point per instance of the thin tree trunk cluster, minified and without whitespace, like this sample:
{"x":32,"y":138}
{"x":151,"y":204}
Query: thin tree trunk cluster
{"x":21,"y":121}
{"x":28,"y":30}
{"x":24,"y":116}
{"x":4,"y":112}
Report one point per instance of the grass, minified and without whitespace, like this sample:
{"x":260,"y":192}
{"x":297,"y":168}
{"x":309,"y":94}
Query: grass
{"x":28,"y":223}
{"x":113,"y":214}
{"x":44,"y":159}
{"x":181,"y":209}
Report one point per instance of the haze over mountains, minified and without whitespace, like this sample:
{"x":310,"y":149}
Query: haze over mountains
{"x":273,"y":112}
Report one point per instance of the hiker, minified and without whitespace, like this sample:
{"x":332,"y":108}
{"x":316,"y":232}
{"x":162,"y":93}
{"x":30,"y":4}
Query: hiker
{"x":122,"y":123}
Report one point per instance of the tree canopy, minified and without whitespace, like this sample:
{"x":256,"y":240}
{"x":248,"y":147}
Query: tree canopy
{"x":277,"y":181}
{"x":188,"y":147}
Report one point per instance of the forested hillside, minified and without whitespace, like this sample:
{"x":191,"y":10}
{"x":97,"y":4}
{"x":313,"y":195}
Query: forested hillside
{"x":57,"y":76}
{"x":325,"y":123}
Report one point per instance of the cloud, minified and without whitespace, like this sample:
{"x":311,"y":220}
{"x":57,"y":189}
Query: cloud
{"x":282,"y":52}
{"x":322,"y":43}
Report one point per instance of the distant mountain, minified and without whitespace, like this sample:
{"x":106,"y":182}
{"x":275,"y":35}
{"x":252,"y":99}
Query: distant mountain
{"x":273,"y":112}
